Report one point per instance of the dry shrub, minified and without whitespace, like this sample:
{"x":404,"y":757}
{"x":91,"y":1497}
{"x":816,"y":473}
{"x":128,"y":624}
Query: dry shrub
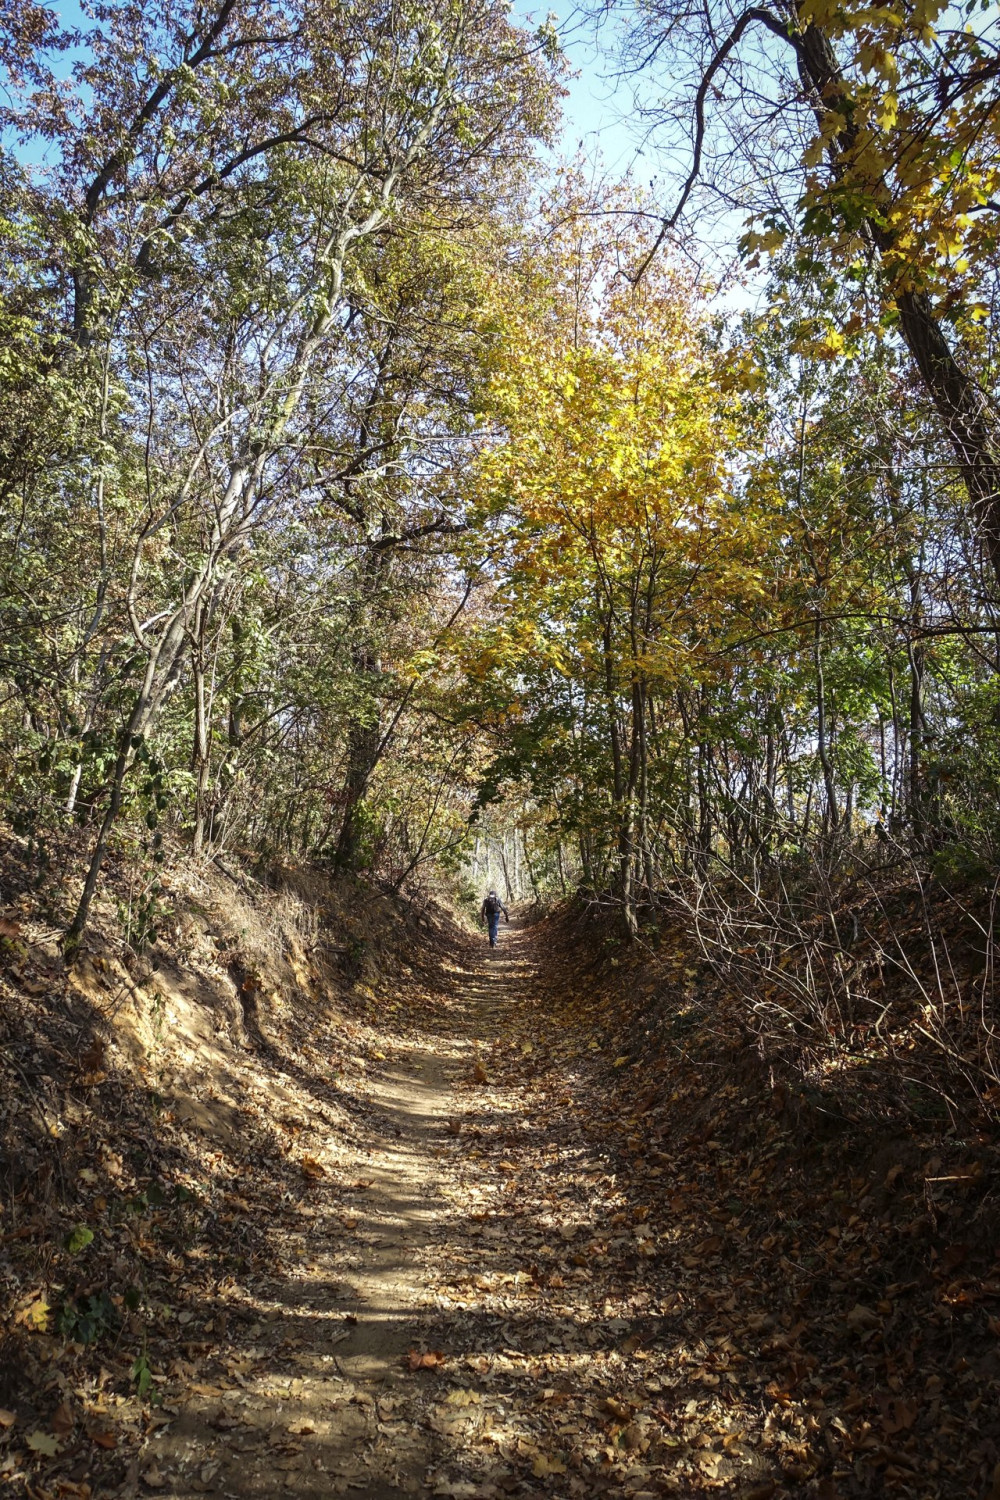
{"x":859,"y":968}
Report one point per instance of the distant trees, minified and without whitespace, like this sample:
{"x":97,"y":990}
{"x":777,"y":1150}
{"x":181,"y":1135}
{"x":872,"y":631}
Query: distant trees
{"x":606,"y":496}
{"x":737,"y":619}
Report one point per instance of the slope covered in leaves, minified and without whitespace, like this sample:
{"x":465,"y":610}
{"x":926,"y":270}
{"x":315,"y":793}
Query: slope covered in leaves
{"x":816,"y":1291}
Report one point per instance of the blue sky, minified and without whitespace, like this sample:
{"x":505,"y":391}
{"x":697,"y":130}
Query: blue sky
{"x":598,"y":108}
{"x":599,"y":118}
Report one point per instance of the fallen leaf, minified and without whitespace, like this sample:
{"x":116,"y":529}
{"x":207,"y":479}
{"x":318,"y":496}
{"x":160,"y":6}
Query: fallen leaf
{"x":62,"y":1420}
{"x":153,"y":1478}
{"x":92,"y":1058}
{"x":632,"y":1437}
{"x":43,"y":1442}
{"x":543,"y":1466}
{"x":34,"y":1313}
{"x":897,"y":1415}
{"x":431,"y":1359}
{"x":7,"y":1418}
{"x":462,"y":1397}
{"x":104,"y":1439}
{"x":953,"y":1256}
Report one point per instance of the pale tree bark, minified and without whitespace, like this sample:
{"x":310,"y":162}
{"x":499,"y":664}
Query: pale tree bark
{"x":239,"y":506}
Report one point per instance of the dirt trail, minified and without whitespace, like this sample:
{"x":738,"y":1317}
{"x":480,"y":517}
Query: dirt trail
{"x":322,"y":1398}
{"x":476,"y":1297}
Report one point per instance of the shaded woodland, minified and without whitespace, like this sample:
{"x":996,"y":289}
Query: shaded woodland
{"x":394,"y":504}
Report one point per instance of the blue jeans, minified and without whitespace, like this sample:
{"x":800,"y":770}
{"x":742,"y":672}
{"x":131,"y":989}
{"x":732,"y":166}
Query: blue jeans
{"x":493,"y":921}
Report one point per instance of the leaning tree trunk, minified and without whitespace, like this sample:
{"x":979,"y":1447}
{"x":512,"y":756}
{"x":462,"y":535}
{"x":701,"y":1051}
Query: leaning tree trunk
{"x":966,"y":412}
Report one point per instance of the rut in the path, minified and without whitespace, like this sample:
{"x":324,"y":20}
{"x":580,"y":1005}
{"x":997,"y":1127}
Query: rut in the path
{"x":478,"y":1308}
{"x":323,"y":1400}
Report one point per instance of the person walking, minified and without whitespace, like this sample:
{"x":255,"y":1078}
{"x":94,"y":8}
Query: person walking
{"x":490,"y":915}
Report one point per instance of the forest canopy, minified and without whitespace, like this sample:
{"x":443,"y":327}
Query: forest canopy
{"x":383,"y":491}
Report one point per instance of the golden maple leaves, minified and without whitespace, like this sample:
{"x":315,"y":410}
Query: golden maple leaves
{"x":905,"y":147}
{"x":617,"y":420}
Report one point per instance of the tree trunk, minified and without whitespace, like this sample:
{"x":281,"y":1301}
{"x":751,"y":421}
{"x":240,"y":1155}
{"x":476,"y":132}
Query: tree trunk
{"x":964,"y":408}
{"x":586,"y":863}
{"x":200,"y":750}
{"x":966,"y":412}
{"x":623,"y":793}
{"x":362,"y":756}
{"x":915,"y":655}
{"x":530,"y":867}
{"x":74,"y":785}
{"x":503,"y":866}
{"x":703,"y":844}
{"x":822,"y":748}
{"x":124,"y":760}
{"x":158,"y":682}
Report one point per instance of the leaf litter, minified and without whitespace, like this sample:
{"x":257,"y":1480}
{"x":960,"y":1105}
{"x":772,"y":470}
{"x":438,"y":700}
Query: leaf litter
{"x":480,"y":1229}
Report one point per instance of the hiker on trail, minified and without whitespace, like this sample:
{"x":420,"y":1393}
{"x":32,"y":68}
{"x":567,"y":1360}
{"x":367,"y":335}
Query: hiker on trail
{"x":490,"y":915}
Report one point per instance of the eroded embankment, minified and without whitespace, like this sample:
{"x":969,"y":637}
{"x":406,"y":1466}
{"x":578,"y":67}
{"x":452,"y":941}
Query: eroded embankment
{"x":187,"y":1140}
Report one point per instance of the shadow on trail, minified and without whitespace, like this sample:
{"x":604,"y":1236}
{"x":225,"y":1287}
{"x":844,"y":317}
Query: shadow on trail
{"x":477,"y":1330}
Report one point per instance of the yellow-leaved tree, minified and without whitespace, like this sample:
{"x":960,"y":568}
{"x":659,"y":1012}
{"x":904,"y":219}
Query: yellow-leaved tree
{"x":603,"y":517}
